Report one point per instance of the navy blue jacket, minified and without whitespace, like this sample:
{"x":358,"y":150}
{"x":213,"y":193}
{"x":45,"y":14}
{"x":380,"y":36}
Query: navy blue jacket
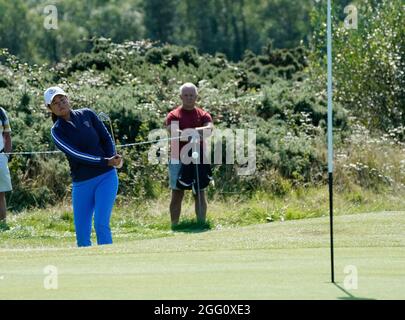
{"x":86,"y":142}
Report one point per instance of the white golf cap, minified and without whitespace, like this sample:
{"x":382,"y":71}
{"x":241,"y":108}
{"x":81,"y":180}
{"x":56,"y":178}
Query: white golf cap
{"x":51,"y":92}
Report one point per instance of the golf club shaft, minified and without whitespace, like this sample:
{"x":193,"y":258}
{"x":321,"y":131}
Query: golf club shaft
{"x":113,"y":135}
{"x":198,"y":181}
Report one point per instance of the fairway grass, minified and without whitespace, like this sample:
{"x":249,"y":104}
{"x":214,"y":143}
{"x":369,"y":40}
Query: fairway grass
{"x":279,"y":260}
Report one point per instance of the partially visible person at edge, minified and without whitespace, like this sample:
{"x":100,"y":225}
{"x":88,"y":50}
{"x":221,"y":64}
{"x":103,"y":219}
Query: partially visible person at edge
{"x":5,"y":179}
{"x":186,"y":116}
{"x":92,"y":157}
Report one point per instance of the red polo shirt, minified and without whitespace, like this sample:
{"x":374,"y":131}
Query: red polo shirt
{"x":186,"y":119}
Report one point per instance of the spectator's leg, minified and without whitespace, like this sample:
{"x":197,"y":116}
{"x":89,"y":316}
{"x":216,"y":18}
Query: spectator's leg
{"x":3,"y":207}
{"x":175,"y":206}
{"x":201,"y":216}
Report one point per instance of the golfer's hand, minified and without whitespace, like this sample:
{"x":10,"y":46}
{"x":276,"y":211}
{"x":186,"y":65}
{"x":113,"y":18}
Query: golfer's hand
{"x":119,"y":166}
{"x":115,"y":160}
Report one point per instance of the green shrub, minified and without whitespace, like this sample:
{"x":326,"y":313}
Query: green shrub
{"x":5,"y":82}
{"x":85,"y":61}
{"x":369,"y":62}
{"x":137,"y":92}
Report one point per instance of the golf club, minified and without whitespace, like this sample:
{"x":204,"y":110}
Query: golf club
{"x":196,"y":157}
{"x":105,"y":117}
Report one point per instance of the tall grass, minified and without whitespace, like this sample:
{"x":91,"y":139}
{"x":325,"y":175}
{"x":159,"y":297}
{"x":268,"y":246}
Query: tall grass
{"x":150,"y":219}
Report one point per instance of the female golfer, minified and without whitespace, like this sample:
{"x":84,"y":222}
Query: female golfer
{"x":92,"y":158}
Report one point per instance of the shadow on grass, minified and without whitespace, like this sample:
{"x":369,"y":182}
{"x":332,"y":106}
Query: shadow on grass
{"x":349,"y":295}
{"x":192,"y":226}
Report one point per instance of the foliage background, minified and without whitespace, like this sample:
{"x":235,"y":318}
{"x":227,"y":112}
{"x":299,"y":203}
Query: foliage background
{"x":258,"y":64}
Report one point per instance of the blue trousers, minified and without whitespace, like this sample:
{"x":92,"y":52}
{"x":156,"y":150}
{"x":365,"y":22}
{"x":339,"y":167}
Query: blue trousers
{"x":94,"y":196}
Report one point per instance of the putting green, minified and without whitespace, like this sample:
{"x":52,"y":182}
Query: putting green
{"x":281,"y":260}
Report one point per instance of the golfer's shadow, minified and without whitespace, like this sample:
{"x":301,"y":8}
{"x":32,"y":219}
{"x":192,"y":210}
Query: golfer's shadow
{"x":192,"y":227}
{"x":349,"y":295}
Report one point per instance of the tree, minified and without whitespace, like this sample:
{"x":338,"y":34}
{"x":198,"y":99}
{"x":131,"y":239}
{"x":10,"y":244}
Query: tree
{"x":160,"y":19}
{"x":14,"y":27}
{"x":369,"y":63}
{"x":119,"y":22}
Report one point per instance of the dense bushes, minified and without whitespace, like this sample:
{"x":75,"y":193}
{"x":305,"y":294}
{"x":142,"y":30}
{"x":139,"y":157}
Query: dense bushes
{"x":369,"y":63}
{"x":172,"y":56}
{"x":4,"y":82}
{"x":298,"y":103}
{"x":137,"y":83}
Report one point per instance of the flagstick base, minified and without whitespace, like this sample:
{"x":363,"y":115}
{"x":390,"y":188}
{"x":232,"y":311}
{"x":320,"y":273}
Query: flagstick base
{"x":331,"y":226}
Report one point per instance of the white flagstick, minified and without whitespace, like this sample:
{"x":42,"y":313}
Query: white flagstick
{"x":330,"y":135}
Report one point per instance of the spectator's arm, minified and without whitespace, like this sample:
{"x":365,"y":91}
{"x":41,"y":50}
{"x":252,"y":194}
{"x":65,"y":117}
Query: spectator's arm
{"x":168,"y":123}
{"x":7,"y":142}
{"x":206,"y":128}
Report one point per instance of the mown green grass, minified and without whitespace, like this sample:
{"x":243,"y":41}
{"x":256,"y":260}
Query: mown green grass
{"x":280,"y":260}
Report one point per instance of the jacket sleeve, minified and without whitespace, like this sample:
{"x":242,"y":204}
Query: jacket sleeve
{"x":106,"y":140}
{"x":65,"y":145}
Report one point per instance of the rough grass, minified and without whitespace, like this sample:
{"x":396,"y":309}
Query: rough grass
{"x":54,"y":226}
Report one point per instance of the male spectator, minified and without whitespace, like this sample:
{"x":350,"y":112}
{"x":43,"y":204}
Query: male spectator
{"x":5,"y":180}
{"x":186,"y":116}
